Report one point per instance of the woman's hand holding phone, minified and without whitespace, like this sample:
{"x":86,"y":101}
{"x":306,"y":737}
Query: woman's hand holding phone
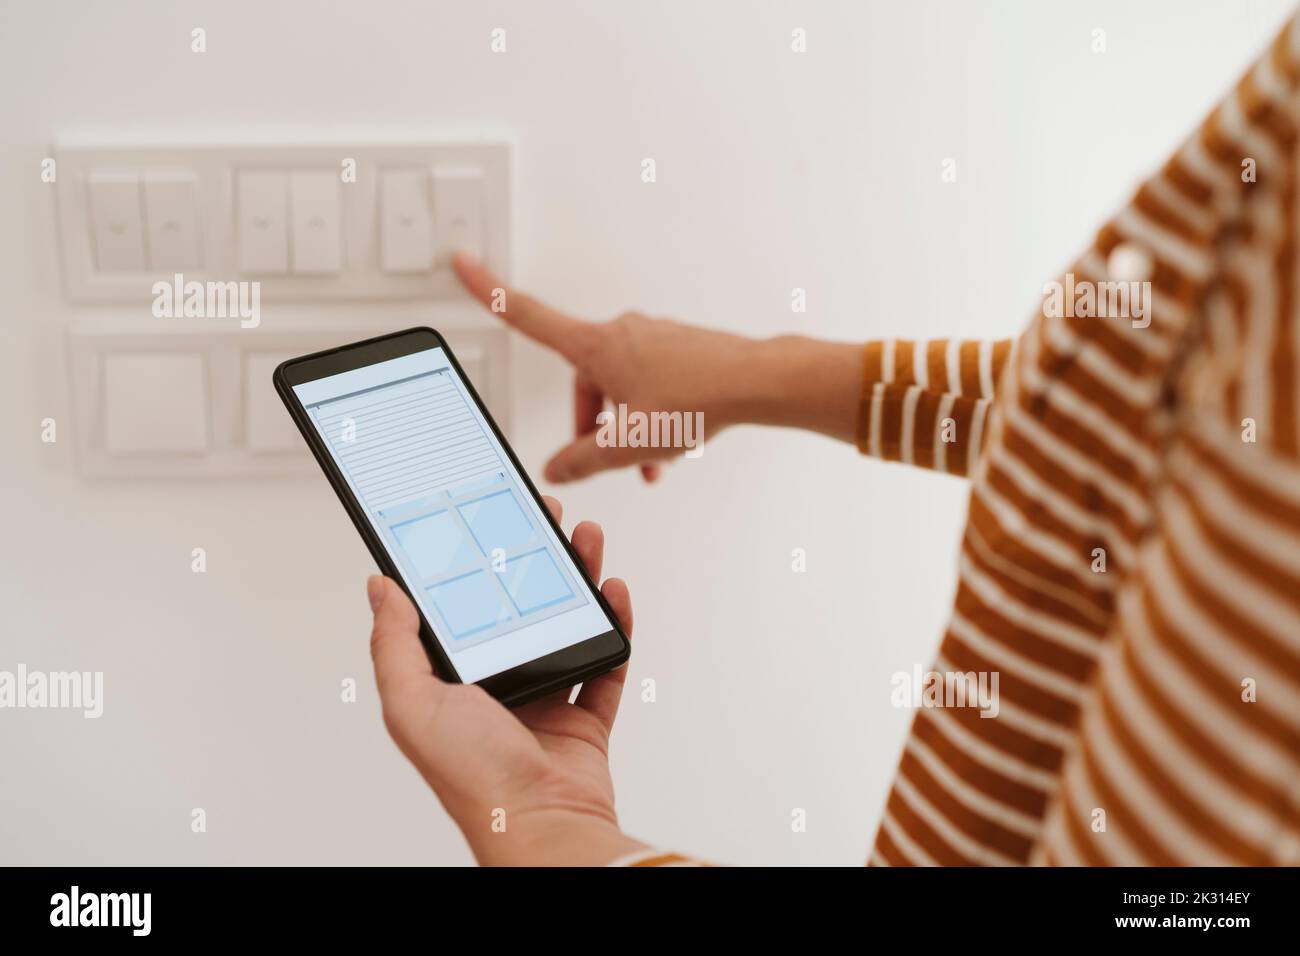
{"x":529,"y":786}
{"x":657,"y":365}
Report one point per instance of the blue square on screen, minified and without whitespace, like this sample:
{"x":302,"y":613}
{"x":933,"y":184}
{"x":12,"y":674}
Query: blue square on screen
{"x":534,"y":582}
{"x":497,"y":521}
{"x":470,"y":604}
{"x":435,"y":544}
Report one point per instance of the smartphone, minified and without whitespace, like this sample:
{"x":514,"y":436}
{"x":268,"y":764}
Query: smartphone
{"x":448,"y":512}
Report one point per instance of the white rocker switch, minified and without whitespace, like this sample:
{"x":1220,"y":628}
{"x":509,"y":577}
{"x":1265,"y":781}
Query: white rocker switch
{"x":262,"y":223}
{"x":117,"y":231}
{"x":405,"y":221}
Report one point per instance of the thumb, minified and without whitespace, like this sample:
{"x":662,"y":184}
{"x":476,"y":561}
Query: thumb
{"x":584,"y":457}
{"x":399,"y":657}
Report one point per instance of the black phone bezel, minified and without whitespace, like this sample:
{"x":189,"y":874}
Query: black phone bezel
{"x":528,"y":681}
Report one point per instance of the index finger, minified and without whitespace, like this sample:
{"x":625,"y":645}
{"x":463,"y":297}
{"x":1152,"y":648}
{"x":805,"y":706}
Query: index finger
{"x":533,"y":317}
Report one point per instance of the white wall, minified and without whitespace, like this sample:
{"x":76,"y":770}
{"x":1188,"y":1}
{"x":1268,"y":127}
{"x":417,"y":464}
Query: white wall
{"x":775,"y":171}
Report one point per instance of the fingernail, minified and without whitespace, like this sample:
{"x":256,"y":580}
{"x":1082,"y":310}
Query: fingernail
{"x":466,"y":258}
{"x":375,"y":591}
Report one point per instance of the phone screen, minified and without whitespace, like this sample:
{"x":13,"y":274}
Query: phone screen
{"x":469,"y":540}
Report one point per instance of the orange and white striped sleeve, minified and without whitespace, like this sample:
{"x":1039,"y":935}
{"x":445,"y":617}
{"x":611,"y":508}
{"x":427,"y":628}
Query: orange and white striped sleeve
{"x":925,"y":403}
{"x":652,"y":857}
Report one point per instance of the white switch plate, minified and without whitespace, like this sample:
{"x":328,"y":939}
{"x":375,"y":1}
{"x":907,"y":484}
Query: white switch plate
{"x":214,"y":160}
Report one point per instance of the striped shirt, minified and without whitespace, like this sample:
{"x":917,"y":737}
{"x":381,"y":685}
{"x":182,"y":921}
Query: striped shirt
{"x":1130,"y":567}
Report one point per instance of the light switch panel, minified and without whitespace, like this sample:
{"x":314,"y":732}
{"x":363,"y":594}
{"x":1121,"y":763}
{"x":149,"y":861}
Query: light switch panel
{"x":116,"y":228}
{"x":458,"y":211}
{"x":317,"y":247}
{"x":168,"y":415}
{"x":262,"y":217}
{"x":171,"y":222}
{"x":405,"y":221}
{"x":323,"y":218}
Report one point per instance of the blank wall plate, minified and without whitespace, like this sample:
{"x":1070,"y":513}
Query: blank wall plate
{"x":267,"y":429}
{"x":179,"y":398}
{"x":136,"y":421}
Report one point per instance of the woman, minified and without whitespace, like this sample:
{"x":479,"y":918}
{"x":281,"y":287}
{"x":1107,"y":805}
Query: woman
{"x":1130,"y":566}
